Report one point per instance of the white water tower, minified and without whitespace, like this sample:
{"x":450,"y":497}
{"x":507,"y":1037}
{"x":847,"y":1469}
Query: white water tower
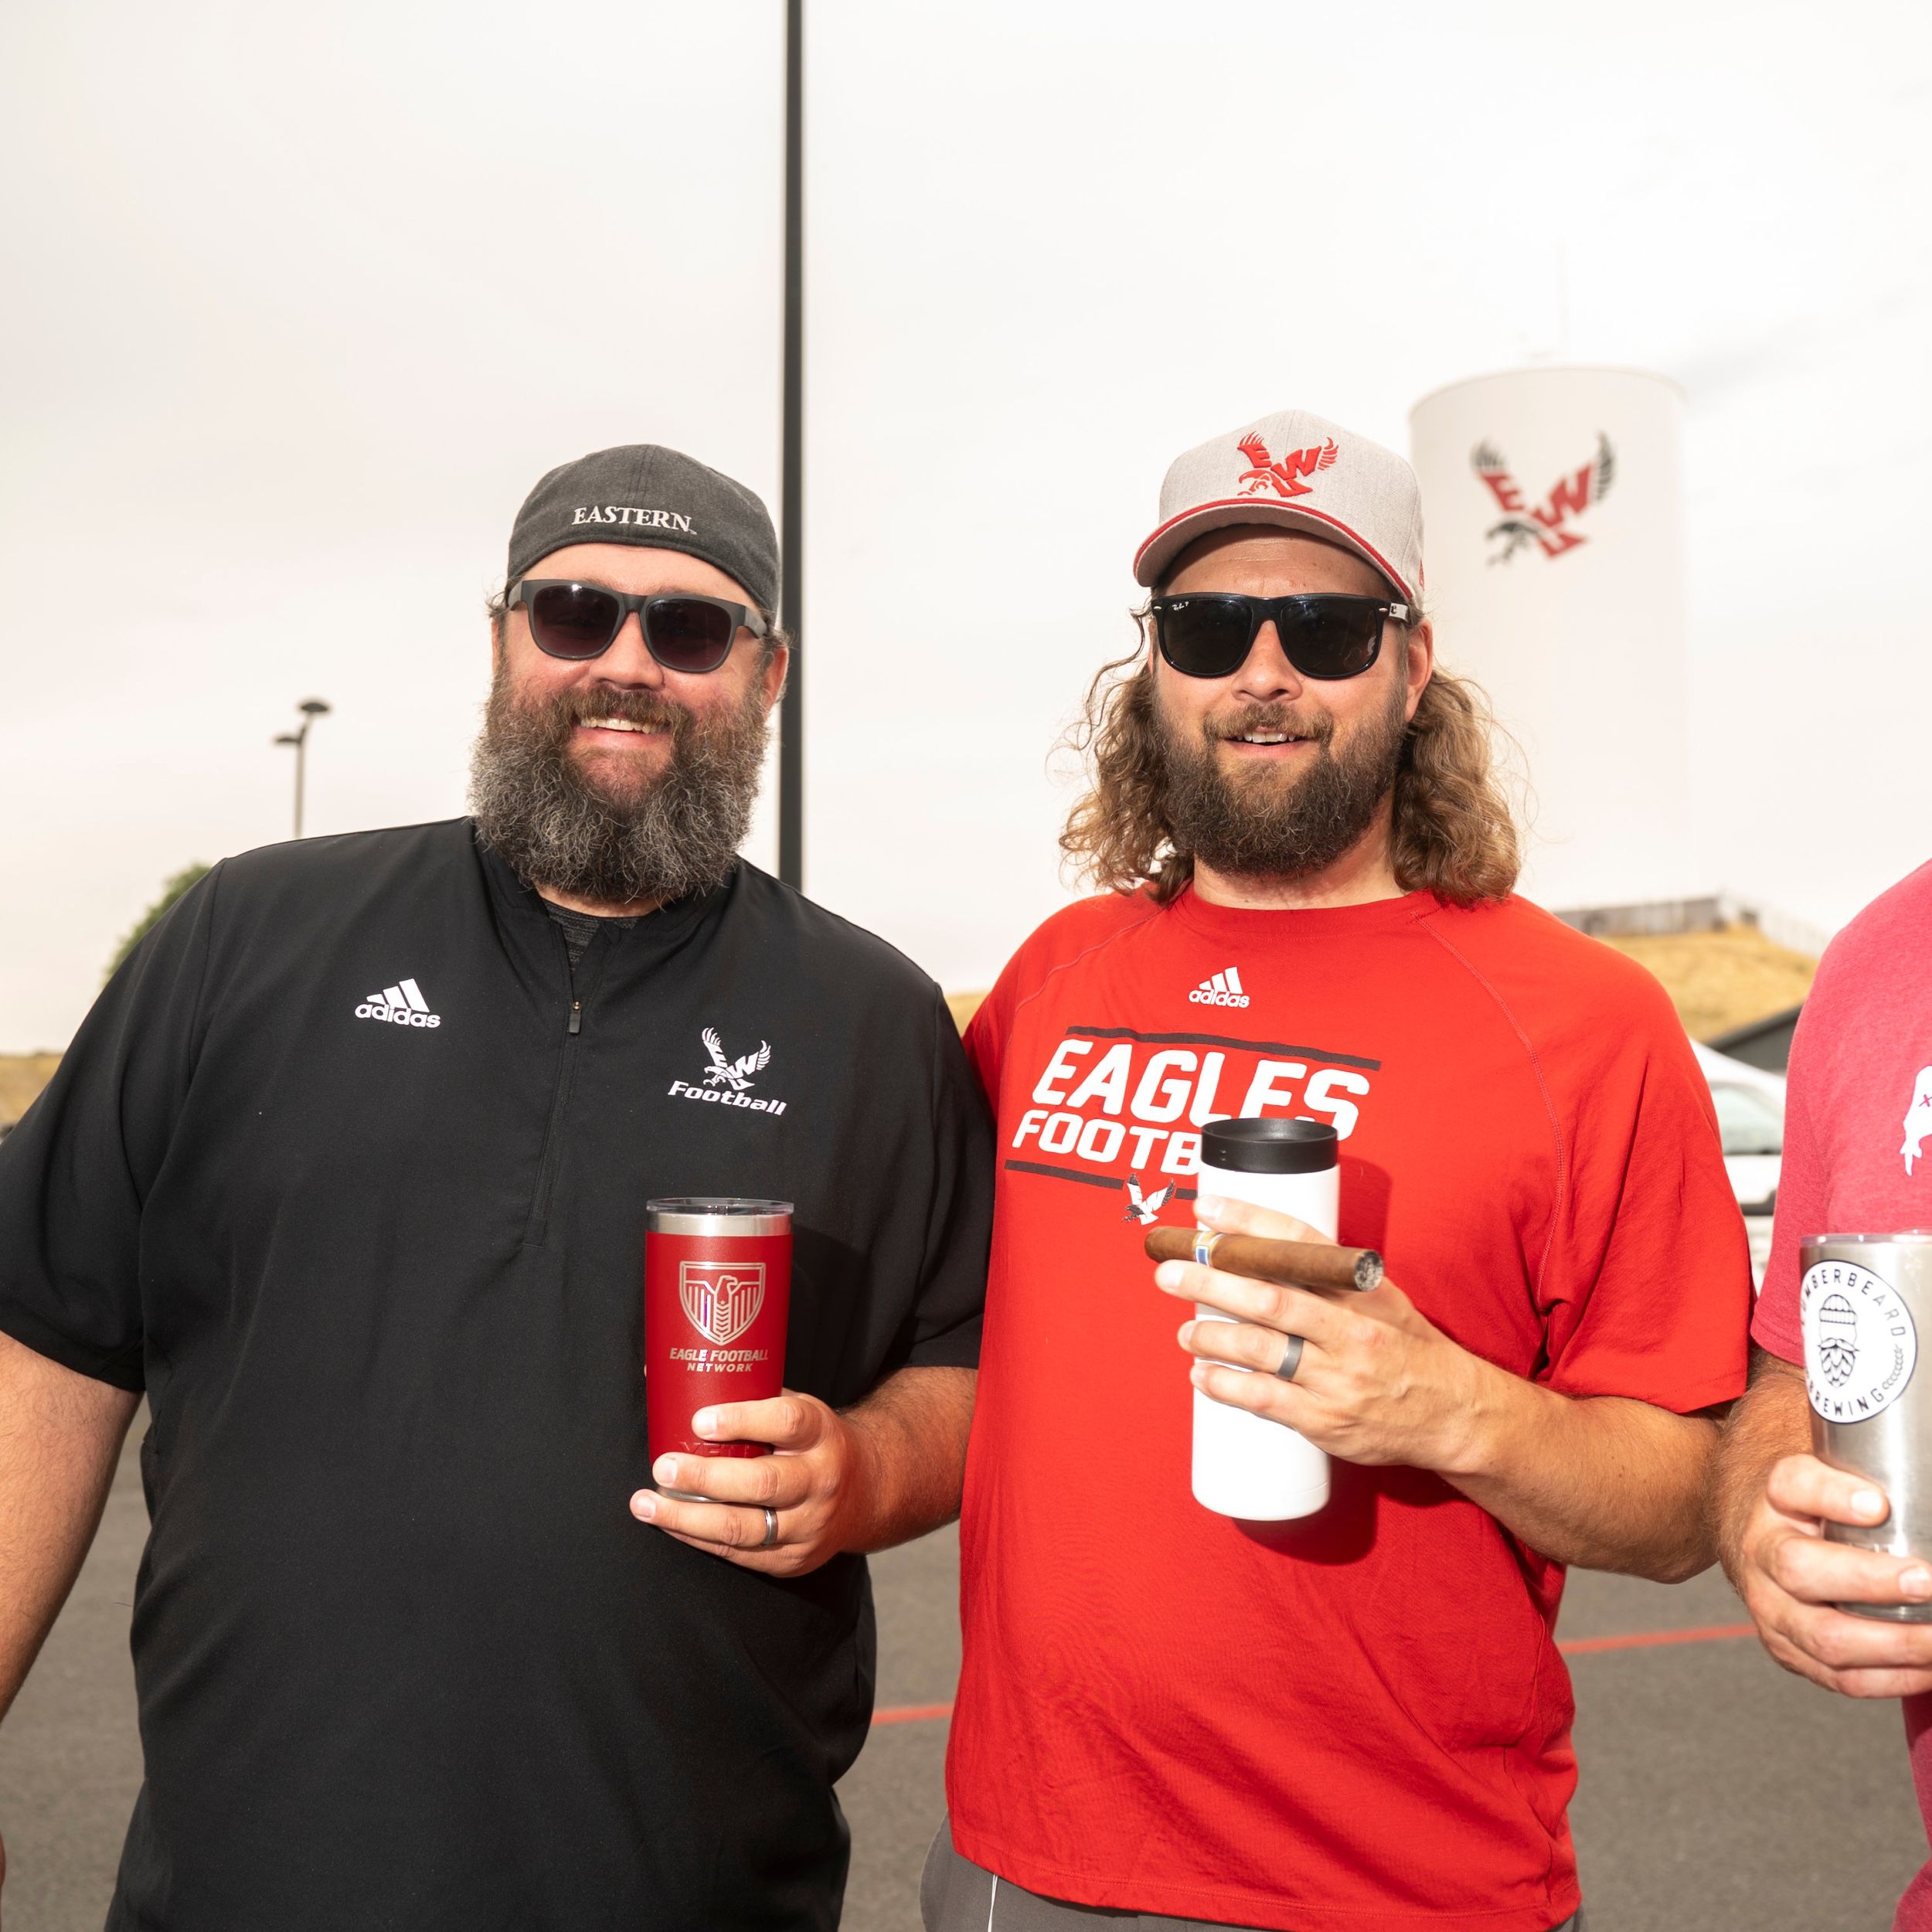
{"x":1552,"y":513}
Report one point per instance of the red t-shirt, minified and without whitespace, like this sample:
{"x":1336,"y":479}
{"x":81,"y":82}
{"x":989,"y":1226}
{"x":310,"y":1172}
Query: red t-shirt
{"x":1858,"y":1155}
{"x":1360,"y":1719}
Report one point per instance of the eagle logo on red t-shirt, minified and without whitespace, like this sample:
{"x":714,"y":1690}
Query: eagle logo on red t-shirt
{"x":1918,"y":1118}
{"x":1141,"y":1207}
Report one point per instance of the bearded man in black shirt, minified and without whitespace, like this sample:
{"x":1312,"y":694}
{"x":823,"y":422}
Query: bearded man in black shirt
{"x":418,"y":1639}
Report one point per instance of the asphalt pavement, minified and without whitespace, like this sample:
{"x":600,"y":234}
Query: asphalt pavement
{"x":1718,"y":1794}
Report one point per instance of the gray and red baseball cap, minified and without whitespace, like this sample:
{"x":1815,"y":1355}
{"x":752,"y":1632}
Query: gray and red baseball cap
{"x":1298,"y":472}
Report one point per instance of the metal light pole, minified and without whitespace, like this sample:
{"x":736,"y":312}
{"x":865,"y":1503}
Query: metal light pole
{"x":311,"y":709}
{"x":791,"y":721}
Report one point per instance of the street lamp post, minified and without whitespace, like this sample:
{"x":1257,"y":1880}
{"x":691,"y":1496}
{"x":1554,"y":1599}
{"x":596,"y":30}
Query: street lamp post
{"x":311,"y":709}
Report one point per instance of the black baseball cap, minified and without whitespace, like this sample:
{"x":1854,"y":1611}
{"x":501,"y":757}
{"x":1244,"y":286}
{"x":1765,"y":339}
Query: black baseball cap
{"x":657,"y":499}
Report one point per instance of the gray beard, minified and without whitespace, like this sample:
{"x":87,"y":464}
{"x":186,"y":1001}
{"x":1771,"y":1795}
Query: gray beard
{"x":1253,"y":825}
{"x":554,"y":827}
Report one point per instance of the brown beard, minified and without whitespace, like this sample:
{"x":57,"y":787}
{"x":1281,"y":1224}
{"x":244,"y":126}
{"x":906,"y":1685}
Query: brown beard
{"x":545,"y":815}
{"x":1261,"y":824}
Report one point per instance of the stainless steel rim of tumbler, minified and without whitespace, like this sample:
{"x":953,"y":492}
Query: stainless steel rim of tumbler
{"x":1906,"y":1237}
{"x":710,"y":1217}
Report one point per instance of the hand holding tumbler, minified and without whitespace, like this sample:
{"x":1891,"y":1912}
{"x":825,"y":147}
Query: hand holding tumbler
{"x":717,"y":1293}
{"x":1862,"y":1300}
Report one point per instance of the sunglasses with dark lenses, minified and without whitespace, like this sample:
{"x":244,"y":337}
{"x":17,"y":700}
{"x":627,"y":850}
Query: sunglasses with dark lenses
{"x":1209,"y":635}
{"x":682,"y":631}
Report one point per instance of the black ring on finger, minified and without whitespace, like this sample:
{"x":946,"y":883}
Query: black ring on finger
{"x":771,"y":1529}
{"x":1290,"y":1358}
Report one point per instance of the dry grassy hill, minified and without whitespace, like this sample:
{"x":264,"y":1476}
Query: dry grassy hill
{"x":21,"y":1076}
{"x":1723,"y":979}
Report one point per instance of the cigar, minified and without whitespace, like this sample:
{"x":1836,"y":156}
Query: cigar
{"x":1295,"y":1264}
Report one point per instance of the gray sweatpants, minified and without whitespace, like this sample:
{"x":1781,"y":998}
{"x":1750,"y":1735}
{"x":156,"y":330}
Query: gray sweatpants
{"x":956,"y":1895}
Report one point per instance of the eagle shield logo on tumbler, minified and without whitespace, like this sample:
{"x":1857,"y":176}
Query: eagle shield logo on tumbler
{"x":722,"y":1302}
{"x":717,"y":1294}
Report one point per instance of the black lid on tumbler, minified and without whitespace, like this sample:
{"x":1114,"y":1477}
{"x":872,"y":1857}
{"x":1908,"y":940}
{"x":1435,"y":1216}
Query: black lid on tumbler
{"x":1256,"y":1146}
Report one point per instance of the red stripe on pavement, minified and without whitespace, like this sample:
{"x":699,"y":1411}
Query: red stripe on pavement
{"x":1573,"y":1647}
{"x":1646,"y":1639}
{"x":911,"y":1713}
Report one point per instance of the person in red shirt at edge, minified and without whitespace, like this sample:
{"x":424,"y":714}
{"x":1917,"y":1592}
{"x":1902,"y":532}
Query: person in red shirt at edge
{"x":1861,"y":1071}
{"x":1359,"y":1719}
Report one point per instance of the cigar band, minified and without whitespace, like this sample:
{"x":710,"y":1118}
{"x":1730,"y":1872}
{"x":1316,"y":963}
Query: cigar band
{"x":1204,"y":1243}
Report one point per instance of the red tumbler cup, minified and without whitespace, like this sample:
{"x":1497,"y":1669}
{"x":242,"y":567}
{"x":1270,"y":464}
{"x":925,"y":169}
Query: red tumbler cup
{"x":717,"y":1290}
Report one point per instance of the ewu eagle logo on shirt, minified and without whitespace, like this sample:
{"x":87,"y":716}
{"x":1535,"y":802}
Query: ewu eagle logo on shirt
{"x":1116,"y":1108}
{"x":729,"y":1082}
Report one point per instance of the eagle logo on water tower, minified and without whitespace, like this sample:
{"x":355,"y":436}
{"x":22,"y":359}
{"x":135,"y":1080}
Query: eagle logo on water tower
{"x":1545,"y":527}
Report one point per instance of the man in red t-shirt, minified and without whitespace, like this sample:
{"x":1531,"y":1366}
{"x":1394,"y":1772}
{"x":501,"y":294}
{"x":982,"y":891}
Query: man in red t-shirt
{"x":1359,"y":1719}
{"x":1858,"y":1159}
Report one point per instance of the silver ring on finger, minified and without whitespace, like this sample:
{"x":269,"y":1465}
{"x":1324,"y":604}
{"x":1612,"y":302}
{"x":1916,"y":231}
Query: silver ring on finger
{"x":1290,"y":1358}
{"x":771,"y":1529}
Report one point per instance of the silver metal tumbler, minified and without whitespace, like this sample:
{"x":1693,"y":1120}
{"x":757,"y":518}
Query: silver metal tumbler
{"x":1862,"y":1302}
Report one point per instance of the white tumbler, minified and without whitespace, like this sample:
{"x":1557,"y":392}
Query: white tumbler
{"x":1245,"y":1465}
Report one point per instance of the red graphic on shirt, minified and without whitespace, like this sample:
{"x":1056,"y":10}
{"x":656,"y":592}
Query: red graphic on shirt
{"x":1546,"y":527}
{"x":1284,"y":478}
{"x":1133,"y":1110}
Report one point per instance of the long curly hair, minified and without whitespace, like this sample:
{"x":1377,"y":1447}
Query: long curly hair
{"x":1453,"y":831}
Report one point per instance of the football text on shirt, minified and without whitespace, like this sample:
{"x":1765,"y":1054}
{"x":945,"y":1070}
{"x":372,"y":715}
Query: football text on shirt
{"x":728,"y":1080}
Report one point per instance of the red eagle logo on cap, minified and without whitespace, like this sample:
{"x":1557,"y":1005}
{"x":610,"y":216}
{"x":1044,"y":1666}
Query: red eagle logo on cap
{"x":1284,"y":478}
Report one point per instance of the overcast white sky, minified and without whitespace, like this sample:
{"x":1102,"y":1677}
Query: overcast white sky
{"x":301,"y":301}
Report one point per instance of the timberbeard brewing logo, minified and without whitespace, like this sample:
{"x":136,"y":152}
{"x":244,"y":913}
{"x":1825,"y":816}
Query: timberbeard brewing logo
{"x":722,"y":1298}
{"x":1264,"y":473}
{"x":1860,"y":1343}
{"x":1545,"y":527}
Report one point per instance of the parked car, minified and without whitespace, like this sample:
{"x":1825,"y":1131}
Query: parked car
{"x":1750,"y":1116}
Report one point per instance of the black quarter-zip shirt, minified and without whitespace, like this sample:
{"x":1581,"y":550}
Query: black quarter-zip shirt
{"x":346,"y":1169}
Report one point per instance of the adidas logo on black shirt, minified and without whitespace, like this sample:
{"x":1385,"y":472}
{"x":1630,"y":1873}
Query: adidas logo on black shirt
{"x":401,"y":1005}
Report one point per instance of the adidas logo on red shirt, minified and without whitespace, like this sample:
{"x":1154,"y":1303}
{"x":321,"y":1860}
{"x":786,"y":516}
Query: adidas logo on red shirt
{"x":1224,"y":989}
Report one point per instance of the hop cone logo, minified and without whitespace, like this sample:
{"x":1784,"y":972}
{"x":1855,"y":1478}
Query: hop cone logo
{"x":1838,"y":1352}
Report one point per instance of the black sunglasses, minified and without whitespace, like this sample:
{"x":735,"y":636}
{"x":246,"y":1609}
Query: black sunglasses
{"x":1323,"y":635}
{"x":682,"y":631}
